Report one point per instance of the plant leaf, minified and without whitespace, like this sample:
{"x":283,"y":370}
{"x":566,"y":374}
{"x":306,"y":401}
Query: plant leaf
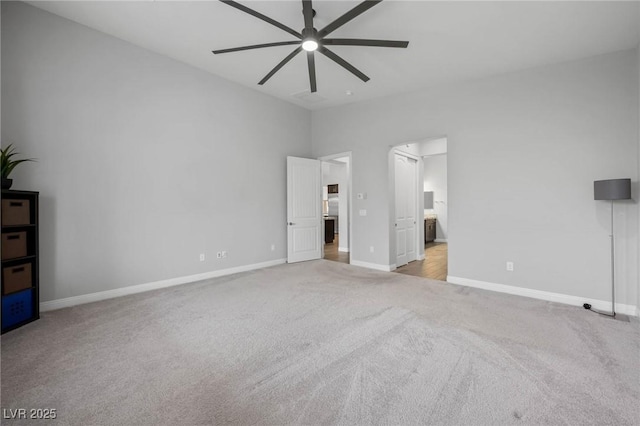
{"x":6,"y":163}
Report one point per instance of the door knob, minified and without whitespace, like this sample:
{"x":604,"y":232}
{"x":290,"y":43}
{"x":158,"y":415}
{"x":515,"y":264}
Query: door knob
{"x":291,"y":223}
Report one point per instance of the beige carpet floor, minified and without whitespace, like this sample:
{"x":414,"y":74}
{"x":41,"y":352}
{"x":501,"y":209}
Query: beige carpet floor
{"x":324,"y":343}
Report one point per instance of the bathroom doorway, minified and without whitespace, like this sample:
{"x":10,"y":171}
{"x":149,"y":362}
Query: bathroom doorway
{"x":433,"y":196}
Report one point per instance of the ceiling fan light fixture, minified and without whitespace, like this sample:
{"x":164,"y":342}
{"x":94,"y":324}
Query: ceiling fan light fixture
{"x":310,"y":39}
{"x":310,"y":44}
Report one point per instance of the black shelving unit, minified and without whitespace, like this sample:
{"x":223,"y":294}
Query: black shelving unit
{"x":20,"y":266}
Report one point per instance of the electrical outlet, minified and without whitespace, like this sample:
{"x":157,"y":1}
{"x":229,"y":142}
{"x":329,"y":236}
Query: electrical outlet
{"x":224,"y":253}
{"x":510,"y":266}
{"x":362,"y":212}
{"x":219,"y":255}
{"x":201,"y":257}
{"x":273,"y":247}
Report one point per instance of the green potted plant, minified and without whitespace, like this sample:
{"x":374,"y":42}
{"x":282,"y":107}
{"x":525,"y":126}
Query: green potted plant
{"x":7,"y":164}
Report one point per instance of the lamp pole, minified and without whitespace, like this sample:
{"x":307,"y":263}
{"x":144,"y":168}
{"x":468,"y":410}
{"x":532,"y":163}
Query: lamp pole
{"x":613,"y":273}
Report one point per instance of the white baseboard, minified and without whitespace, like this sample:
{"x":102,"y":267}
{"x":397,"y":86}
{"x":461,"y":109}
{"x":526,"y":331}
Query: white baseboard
{"x":376,"y":266}
{"x":544,"y":295}
{"x":343,"y":249}
{"x":421,"y":256}
{"x":124,"y":291}
{"x":440,"y":240}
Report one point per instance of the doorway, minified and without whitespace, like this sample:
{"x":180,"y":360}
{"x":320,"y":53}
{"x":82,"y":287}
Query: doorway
{"x":336,"y":208}
{"x":432,"y":198}
{"x":436,"y":216}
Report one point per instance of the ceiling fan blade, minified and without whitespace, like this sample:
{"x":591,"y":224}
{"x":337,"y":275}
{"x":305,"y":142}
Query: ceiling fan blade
{"x":307,"y":11}
{"x":280,"y":65}
{"x":255,"y":46}
{"x":261,"y":16}
{"x":363,"y":42}
{"x":338,"y":60}
{"x":353,"y":13}
{"x":312,"y":71}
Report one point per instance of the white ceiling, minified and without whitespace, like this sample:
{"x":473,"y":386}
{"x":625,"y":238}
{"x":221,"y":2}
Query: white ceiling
{"x":449,"y":41}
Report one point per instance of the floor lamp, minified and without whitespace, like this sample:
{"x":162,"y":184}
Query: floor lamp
{"x":610,"y":190}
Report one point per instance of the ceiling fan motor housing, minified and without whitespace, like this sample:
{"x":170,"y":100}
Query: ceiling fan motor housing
{"x":308,"y":33}
{"x":310,"y":40}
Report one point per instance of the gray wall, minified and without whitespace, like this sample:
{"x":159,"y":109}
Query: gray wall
{"x":524,"y":149}
{"x":143,"y":162}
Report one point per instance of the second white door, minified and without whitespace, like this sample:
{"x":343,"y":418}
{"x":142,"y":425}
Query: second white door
{"x":406,"y":209}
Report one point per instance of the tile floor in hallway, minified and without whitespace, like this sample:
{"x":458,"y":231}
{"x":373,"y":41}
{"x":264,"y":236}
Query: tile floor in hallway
{"x":434,"y":266}
{"x":331,"y":251}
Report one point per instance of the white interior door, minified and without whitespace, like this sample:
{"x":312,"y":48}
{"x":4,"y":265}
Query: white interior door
{"x":412,"y":207}
{"x":304,"y":209}
{"x":406,"y":208}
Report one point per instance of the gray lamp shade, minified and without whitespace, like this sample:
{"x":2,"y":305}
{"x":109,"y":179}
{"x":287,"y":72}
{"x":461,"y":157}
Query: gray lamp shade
{"x":428,"y":199}
{"x":612,"y":189}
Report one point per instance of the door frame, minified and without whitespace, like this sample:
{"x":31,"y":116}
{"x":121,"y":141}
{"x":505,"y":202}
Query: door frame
{"x":419,"y":241}
{"x":348,"y":154}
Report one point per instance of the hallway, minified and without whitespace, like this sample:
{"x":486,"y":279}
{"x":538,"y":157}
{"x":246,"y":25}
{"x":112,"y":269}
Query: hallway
{"x":331,"y":251}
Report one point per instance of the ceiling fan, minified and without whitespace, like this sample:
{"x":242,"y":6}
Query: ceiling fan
{"x":312,"y":40}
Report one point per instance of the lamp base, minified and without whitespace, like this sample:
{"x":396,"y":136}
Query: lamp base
{"x":611,"y":315}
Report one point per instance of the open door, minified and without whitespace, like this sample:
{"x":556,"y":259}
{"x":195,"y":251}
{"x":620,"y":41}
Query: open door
{"x":304,"y":209}
{"x":406,"y":208}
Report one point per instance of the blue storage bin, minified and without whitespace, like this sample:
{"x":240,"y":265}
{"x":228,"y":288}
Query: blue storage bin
{"x":17,"y":307}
